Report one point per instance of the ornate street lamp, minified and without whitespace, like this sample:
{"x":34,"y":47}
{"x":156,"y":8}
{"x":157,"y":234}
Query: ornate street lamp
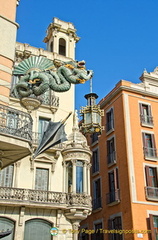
{"x":91,"y":115}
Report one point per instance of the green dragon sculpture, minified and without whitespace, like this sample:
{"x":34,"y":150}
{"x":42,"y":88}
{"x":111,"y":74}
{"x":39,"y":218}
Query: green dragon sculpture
{"x":38,"y":74}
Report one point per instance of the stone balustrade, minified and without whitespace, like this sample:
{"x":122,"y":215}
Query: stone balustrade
{"x":20,"y":196}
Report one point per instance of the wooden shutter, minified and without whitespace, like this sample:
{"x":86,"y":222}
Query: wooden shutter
{"x":147,"y":176}
{"x":151,"y":219}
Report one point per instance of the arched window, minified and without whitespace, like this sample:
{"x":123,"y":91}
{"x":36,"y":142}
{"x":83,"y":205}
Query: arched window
{"x":62,"y":47}
{"x":7,"y":224}
{"x":51,"y":46}
{"x":37,"y":229}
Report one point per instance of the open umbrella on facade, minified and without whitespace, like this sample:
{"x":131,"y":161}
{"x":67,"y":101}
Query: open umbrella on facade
{"x":53,"y":135}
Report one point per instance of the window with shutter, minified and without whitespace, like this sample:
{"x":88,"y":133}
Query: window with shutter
{"x":145,"y":114}
{"x":95,"y":161}
{"x":151,"y":183}
{"x":110,"y":120}
{"x":154,"y":226}
{"x":41,"y":181}
{"x":111,"y":153}
{"x":97,"y":194}
{"x":114,"y":192}
{"x":149,"y":146}
{"x":115,"y":224}
{"x":37,"y":229}
{"x":6,"y":176}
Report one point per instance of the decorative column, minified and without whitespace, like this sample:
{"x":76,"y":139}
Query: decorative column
{"x":75,"y":227}
{"x":88,"y":179}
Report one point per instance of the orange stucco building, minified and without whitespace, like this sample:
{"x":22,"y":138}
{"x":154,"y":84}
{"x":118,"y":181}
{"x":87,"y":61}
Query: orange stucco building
{"x":8,"y":29}
{"x":124,"y":180}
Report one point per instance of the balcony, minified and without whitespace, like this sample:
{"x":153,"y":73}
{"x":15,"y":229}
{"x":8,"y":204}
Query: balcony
{"x":146,"y":120}
{"x":113,"y":197}
{"x":97,"y":203}
{"x":151,"y":193}
{"x":150,"y":153}
{"x":16,"y":134}
{"x":49,"y":199}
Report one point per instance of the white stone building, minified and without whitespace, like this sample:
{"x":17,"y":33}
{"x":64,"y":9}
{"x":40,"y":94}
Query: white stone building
{"x":52,"y":190}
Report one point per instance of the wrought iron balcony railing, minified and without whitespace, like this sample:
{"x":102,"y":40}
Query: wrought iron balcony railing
{"x":146,"y":119}
{"x":150,"y":152}
{"x":30,"y":196}
{"x":151,"y":193}
{"x":97,"y":203}
{"x":16,"y":123}
{"x":113,"y":196}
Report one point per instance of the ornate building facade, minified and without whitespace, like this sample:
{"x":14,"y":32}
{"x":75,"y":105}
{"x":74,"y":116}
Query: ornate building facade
{"x":53,"y":189}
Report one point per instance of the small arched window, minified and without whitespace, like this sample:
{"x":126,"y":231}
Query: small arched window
{"x":51,"y":46}
{"x":62,"y":47}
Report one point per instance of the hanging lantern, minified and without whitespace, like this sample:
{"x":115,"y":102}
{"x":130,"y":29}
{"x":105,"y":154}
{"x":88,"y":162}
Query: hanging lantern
{"x":91,"y":115}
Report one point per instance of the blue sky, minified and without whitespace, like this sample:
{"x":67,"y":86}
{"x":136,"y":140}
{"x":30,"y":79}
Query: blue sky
{"x":119,"y":38}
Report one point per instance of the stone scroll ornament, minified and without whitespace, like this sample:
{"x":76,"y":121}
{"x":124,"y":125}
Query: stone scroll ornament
{"x":38,"y":74}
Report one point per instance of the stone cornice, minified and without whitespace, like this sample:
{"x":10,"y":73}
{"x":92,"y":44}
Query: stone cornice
{"x":128,"y":89}
{"x":8,"y":20}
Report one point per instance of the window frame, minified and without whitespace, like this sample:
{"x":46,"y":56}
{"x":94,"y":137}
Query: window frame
{"x":146,"y":119}
{"x":151,"y":221}
{"x":110,"y":123}
{"x":151,"y":190}
{"x":111,"y":155}
{"x":97,"y":198}
{"x":150,"y":153}
{"x":113,"y":196}
{"x":95,"y":161}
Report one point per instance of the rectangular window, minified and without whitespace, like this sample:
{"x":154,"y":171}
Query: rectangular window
{"x":149,"y":146}
{"x":42,"y":177}
{"x":6,"y":176}
{"x":114,"y":192}
{"x":97,"y":194}
{"x":110,"y":120}
{"x":154,"y":226}
{"x":42,"y":125}
{"x":111,"y":153}
{"x":151,"y":182}
{"x":95,"y":161}
{"x":84,"y":234}
{"x":115,"y":224}
{"x":98,"y":235}
{"x":94,"y":137}
{"x":145,"y":114}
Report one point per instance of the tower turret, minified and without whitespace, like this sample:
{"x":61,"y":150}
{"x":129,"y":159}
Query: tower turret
{"x":61,"y":38}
